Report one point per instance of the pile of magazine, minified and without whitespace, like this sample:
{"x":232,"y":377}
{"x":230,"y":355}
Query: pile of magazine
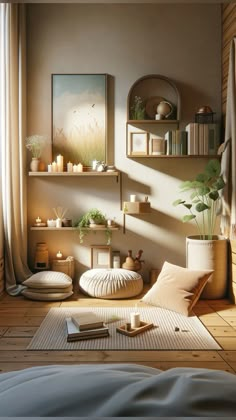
{"x":84,"y":326}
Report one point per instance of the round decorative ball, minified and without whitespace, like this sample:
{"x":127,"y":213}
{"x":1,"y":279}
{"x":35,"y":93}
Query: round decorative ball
{"x":164,"y":108}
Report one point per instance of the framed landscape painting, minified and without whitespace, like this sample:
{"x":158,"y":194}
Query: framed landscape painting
{"x":79,"y":117}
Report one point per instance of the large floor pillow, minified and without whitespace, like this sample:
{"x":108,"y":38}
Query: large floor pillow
{"x":48,"y":286}
{"x":113,"y":283}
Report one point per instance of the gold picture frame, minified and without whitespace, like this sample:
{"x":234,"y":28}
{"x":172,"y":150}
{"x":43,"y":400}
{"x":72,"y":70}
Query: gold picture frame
{"x":138,"y":143}
{"x":100,"y":256}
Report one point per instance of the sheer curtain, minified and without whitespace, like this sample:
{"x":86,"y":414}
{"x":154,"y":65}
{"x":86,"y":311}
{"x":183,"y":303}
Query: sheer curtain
{"x":12,"y":135}
{"x":228,"y":161}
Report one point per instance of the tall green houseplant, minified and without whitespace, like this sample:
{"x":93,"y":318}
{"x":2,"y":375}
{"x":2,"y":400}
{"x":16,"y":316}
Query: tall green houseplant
{"x":204,"y":203}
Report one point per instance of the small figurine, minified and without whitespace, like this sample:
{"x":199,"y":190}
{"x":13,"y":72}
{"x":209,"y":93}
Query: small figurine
{"x":131,"y":263}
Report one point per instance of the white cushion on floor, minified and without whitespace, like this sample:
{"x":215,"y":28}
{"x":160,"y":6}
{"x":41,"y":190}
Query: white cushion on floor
{"x":48,"y":279}
{"x":45,"y":296}
{"x":113,"y":283}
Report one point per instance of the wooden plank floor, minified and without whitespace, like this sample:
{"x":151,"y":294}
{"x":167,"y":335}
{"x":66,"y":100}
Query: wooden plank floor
{"x":20,"y":318}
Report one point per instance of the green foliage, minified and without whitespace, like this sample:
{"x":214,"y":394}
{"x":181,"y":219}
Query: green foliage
{"x":137,"y":110}
{"x":204,"y":198}
{"x":95,"y":216}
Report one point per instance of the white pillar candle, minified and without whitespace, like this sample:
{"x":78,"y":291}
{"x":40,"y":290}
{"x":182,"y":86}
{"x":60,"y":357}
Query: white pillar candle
{"x":79,"y":167}
{"x":135,"y":319}
{"x":94,"y":165}
{"x":133,"y":198}
{"x":58,"y":223}
{"x":59,"y":255}
{"x":74,"y":168}
{"x":69,"y":167}
{"x":50,"y":167}
{"x":38,"y":220}
{"x":54,"y":167}
{"x":60,"y":163}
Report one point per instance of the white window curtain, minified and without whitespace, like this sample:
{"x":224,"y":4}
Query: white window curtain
{"x":12,"y":135}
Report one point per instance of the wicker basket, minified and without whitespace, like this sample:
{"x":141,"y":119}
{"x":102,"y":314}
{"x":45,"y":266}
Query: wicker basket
{"x":65,"y":266}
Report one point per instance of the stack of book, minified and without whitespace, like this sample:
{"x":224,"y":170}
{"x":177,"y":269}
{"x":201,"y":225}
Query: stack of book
{"x":203,"y":139}
{"x":84,"y":326}
{"x":196,"y":139}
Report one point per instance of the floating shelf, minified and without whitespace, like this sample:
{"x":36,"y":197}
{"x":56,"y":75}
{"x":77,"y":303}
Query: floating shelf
{"x":83,"y":174}
{"x":175,"y":156}
{"x":74,"y":228}
{"x":136,"y":207}
{"x":156,"y":122}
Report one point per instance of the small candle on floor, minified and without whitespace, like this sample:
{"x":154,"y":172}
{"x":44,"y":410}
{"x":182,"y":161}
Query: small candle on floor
{"x":135,"y":319}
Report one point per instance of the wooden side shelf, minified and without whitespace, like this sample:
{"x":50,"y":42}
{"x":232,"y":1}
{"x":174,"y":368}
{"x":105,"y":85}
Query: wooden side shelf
{"x":136,"y":207}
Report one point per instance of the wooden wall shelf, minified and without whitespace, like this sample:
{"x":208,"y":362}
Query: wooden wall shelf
{"x":175,"y":156}
{"x":75,"y":174}
{"x":74,"y":228}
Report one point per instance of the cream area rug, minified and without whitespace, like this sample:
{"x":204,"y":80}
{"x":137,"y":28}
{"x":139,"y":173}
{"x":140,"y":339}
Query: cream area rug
{"x":190,"y":335}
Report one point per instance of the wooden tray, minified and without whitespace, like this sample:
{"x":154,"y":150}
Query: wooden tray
{"x":134,"y":331}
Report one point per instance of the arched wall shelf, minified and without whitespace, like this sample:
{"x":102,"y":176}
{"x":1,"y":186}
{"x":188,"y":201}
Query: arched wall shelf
{"x":152,"y":89}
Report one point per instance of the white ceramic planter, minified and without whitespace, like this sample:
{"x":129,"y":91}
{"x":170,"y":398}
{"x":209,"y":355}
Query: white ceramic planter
{"x":34,"y":165}
{"x":209,"y":255}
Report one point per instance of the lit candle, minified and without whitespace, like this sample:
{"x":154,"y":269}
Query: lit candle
{"x":74,"y":168}
{"x":79,"y":167}
{"x":135,"y":319}
{"x":50,"y":167}
{"x":38,"y":220}
{"x":60,"y":163}
{"x":69,"y":167}
{"x":54,"y":167}
{"x":59,"y":255}
{"x":58,"y":223}
{"x":133,"y":198}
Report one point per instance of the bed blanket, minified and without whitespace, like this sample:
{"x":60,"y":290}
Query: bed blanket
{"x":115,"y":390}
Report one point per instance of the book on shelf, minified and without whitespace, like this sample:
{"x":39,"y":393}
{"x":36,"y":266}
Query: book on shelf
{"x":203,"y":139}
{"x":168,"y":139}
{"x":75,"y":334}
{"x":87,"y":320}
{"x":176,"y":142}
{"x":192,"y":130}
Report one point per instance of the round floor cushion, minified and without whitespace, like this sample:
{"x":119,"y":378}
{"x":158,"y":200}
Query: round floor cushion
{"x":113,"y":283}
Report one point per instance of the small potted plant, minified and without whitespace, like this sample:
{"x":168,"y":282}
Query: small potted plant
{"x":94,"y":218}
{"x":137,"y":110}
{"x":35,"y":144}
{"x":206,"y":250}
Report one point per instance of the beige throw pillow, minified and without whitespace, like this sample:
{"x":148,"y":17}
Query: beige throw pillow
{"x":177,"y":288}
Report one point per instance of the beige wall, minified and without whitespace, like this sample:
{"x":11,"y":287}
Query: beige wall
{"x":182,"y":42}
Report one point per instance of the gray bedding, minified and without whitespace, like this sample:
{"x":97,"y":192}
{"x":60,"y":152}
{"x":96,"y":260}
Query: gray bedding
{"x":115,"y":390}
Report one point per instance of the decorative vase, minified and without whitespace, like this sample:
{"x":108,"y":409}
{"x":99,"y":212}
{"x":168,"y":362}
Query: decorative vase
{"x":212,"y":254}
{"x":34,"y":164}
{"x":41,"y":261}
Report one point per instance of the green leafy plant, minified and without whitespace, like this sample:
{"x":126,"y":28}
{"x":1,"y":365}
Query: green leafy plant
{"x":92,"y":216}
{"x":137,"y":109}
{"x":35,"y":144}
{"x":204,"y":204}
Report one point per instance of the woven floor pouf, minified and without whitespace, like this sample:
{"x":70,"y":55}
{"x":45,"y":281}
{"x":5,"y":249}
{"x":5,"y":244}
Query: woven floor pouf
{"x":112,"y":283}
